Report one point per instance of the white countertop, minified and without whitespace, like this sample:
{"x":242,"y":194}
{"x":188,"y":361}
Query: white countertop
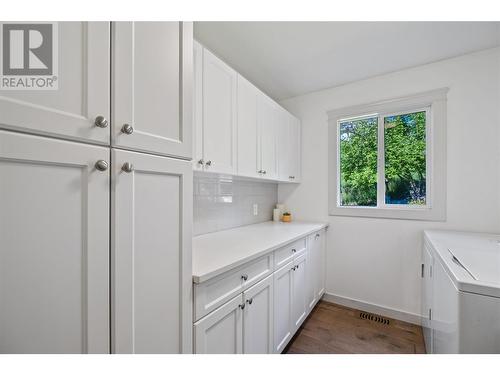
{"x":218,"y":252}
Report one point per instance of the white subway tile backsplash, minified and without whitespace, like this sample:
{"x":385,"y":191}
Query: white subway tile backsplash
{"x":224,"y":202}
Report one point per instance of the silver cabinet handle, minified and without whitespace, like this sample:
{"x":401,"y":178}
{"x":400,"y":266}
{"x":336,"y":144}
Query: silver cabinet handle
{"x":317,"y":235}
{"x":264,"y":172}
{"x":127,"y":167}
{"x":208,"y":163}
{"x":127,"y":129}
{"x":201,"y":162}
{"x":101,"y":165}
{"x":294,"y":250}
{"x":241,"y":306}
{"x":294,"y":268}
{"x":101,"y":122}
{"x":244,"y":277}
{"x":249,"y":301}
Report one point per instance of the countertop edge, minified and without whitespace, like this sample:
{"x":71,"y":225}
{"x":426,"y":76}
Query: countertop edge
{"x":199,"y":279}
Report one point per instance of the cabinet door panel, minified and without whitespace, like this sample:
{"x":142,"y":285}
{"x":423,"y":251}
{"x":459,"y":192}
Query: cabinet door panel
{"x":322,"y":264}
{"x":248,"y":141}
{"x":294,"y":156}
{"x":267,"y":112}
{"x":219,"y":115}
{"x":54,"y":257}
{"x":282,"y":307}
{"x":258,"y":318}
{"x":151,"y":254}
{"x":83,"y":89}
{"x":312,"y":271}
{"x":283,"y":145}
{"x":220,"y":332}
{"x":152,"y":86}
{"x":299,"y":292}
{"x":198,"y":107}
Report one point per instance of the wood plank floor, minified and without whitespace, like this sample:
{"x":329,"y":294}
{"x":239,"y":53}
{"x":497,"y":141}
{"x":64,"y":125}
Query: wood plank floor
{"x":332,"y":328}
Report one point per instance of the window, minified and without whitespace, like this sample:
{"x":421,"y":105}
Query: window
{"x":383,"y":156}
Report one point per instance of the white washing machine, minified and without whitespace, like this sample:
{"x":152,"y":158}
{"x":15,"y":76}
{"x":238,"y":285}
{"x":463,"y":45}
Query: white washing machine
{"x":461,"y":292}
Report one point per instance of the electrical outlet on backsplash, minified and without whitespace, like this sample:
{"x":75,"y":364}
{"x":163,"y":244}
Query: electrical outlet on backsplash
{"x":223,"y":202}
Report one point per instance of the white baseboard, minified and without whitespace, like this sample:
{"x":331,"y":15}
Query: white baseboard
{"x":372,"y":308}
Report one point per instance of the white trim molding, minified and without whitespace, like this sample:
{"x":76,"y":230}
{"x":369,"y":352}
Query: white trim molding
{"x":434,"y":103}
{"x":373,"y":308}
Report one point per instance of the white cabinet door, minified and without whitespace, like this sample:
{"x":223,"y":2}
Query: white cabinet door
{"x":219,"y":115}
{"x":299,"y":305}
{"x":151,"y":253}
{"x":198,"y":107}
{"x":282,"y":307}
{"x":294,"y":155}
{"x":268,"y":113}
{"x":152,"y":87}
{"x":283,"y":146}
{"x":54,"y":229}
{"x":248,"y":141}
{"x":258,"y":316}
{"x":321,"y":263}
{"x":427,"y":265}
{"x":311,"y":272}
{"x":220,"y":332}
{"x":83,"y":79}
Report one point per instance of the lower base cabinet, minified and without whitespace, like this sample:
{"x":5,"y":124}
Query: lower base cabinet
{"x":283,"y":307}
{"x":220,"y":332}
{"x":258,"y":316}
{"x":242,"y":325}
{"x":263,"y":318}
{"x":299,"y":305}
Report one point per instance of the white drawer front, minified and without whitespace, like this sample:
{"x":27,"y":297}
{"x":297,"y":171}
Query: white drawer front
{"x":285,"y":254}
{"x":213,"y":293}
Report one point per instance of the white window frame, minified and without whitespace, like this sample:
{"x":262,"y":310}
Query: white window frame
{"x":434,"y":104}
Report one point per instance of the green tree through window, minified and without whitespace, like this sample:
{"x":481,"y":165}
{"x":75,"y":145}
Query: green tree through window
{"x":358,"y":162}
{"x":404,"y":159}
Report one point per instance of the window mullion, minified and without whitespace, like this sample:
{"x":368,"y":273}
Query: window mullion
{"x":380,"y":163}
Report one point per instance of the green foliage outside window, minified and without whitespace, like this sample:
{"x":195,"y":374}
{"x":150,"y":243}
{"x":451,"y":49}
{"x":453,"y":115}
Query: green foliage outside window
{"x":405,"y":163}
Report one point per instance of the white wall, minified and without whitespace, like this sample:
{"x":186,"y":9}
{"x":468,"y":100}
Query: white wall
{"x":377,"y":260}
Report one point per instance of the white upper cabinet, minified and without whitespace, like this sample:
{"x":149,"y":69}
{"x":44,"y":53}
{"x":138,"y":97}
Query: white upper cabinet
{"x":238,"y":129}
{"x":54,"y":255}
{"x":268,"y":115}
{"x":288,"y":147}
{"x":152,"y":87}
{"x":150,"y":252}
{"x":294,"y":159}
{"x":219,"y":115}
{"x":283,"y":145}
{"x":198,"y":162}
{"x":82,"y":97}
{"x":249,"y":158}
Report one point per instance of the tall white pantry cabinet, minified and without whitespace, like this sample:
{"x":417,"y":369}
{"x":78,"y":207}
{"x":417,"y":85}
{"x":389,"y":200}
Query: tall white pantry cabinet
{"x":96,"y":196}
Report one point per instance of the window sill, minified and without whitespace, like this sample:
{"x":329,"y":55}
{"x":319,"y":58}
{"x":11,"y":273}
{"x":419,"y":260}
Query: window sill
{"x":424,"y":214}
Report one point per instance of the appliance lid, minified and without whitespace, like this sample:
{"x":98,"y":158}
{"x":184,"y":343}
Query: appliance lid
{"x":481,"y":261}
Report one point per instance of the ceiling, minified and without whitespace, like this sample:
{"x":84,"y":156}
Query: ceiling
{"x":287,"y":59}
